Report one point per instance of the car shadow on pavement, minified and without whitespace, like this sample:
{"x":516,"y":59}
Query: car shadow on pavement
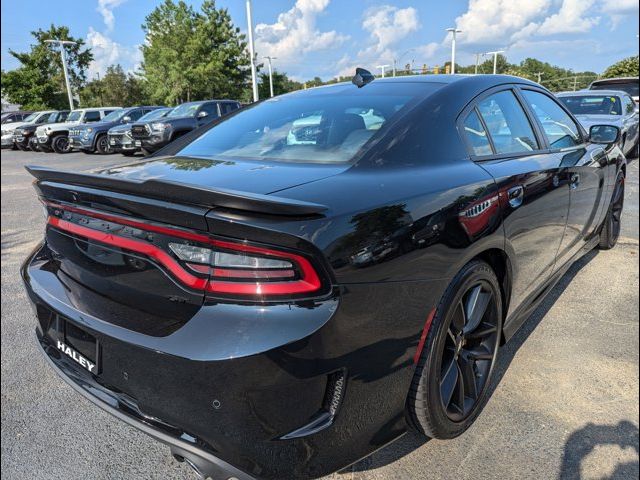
{"x":411,"y":441}
{"x":584,"y":441}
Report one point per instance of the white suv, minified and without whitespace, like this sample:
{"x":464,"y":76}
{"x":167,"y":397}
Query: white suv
{"x":55,"y":136}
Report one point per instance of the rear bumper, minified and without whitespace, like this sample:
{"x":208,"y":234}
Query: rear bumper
{"x":83,"y":383}
{"x":249,"y":388}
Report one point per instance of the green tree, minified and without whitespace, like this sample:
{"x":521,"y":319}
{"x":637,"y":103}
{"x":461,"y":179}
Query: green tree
{"x":115,"y":88}
{"x":38,"y":83}
{"x":190,"y":55}
{"x":627,"y":67}
{"x":281,"y":84}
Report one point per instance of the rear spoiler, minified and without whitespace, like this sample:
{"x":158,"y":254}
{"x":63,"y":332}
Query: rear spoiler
{"x":181,"y":193}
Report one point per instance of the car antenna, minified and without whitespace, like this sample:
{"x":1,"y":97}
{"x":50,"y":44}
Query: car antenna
{"x":362,"y":77}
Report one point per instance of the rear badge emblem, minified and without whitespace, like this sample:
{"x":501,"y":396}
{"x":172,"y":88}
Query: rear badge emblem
{"x":70,"y":352}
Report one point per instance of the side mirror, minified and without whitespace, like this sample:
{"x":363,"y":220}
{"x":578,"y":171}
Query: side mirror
{"x":604,"y":134}
{"x":203,"y":114}
{"x":126,"y":119}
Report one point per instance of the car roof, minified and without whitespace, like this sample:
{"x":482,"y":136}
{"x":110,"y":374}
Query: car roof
{"x":615,"y":80}
{"x":582,"y":93}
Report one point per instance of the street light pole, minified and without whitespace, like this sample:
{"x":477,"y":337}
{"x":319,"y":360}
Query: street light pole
{"x":495,"y":60}
{"x":271,"y":74}
{"x":454,"y":32}
{"x":63,"y":55}
{"x":478,"y":61}
{"x":383,"y":68}
{"x":254,"y":79}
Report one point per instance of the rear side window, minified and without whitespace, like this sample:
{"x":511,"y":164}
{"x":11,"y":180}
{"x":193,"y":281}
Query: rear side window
{"x":507,"y":123}
{"x":91,"y":117}
{"x":477,"y":135}
{"x":560,"y":129}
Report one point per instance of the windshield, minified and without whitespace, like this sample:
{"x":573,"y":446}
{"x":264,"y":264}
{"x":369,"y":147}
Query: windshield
{"x":593,"y":104}
{"x":154,"y":114}
{"x":328,"y":125}
{"x":113,"y":116}
{"x":74,"y":116}
{"x":31,"y":117}
{"x":52,"y":117}
{"x":631,"y":87}
{"x":184,"y":110}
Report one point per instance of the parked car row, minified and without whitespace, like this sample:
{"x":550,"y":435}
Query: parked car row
{"x":613,"y":101}
{"x":111,"y":129}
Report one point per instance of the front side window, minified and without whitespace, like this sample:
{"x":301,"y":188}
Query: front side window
{"x":324,"y":125}
{"x":593,"y":104}
{"x":477,"y":135}
{"x":560,"y":129}
{"x":91,"y":117}
{"x":211,"y":109}
{"x":507,"y":123}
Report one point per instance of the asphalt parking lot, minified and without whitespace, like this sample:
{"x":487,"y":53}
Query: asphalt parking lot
{"x":565,"y":403}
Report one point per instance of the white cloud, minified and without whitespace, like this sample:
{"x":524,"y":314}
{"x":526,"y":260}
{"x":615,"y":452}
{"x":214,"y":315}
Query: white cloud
{"x":295,"y":33}
{"x":494,"y":22}
{"x":388,"y":24}
{"x":107,"y":52}
{"x":105,"y":8}
{"x":571,"y":18}
{"x":620,"y":6}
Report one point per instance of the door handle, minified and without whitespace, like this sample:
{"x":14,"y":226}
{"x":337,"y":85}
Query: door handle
{"x":574,"y":181}
{"x":515,"y":195}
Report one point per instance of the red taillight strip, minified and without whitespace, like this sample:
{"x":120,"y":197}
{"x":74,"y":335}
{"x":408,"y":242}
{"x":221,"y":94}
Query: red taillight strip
{"x":149,"y":250}
{"x":309,"y":282}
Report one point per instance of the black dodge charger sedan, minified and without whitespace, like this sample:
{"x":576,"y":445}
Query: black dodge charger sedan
{"x":290,"y":288}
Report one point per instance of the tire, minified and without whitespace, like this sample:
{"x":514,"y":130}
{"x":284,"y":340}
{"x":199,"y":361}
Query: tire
{"x":610,"y":232}
{"x":102,"y":145}
{"x":458,"y":356}
{"x":147,"y":152}
{"x":60,"y":143}
{"x":33,"y":146}
{"x":22,"y":147}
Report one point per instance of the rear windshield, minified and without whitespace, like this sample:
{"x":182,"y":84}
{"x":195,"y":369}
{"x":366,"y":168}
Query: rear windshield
{"x":593,"y":104}
{"x":631,"y":87}
{"x":325,"y":125}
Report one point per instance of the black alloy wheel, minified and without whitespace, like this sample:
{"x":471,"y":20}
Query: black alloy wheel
{"x":613,"y":222}
{"x":102,"y":145}
{"x":60,"y":144}
{"x":453,"y":373}
{"x":469,"y":351}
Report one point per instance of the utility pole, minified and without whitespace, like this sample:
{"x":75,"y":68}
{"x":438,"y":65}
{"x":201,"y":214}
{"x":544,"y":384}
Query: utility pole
{"x":63,"y":55}
{"x":575,"y":83}
{"x":540,"y":77}
{"x":454,"y":32}
{"x":254,"y":79}
{"x":270,"y":74}
{"x":495,"y":60}
{"x":383,"y":68}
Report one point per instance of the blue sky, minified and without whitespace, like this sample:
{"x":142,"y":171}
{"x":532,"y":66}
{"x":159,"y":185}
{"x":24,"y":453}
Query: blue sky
{"x":330,"y":37}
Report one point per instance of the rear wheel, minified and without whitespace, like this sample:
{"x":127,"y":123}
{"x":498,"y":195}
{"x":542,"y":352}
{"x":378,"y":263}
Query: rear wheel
{"x":612,"y":224}
{"x":451,"y":381}
{"x":60,"y":144}
{"x":102,"y":145}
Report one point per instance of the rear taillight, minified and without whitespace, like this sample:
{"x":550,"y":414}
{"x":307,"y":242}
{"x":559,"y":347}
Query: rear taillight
{"x":198,"y":261}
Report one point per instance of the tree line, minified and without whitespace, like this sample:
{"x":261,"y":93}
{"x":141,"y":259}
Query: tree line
{"x":194,"y":54}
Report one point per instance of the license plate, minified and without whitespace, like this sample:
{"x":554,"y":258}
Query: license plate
{"x":77,"y":344}
{"x":138,"y":143}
